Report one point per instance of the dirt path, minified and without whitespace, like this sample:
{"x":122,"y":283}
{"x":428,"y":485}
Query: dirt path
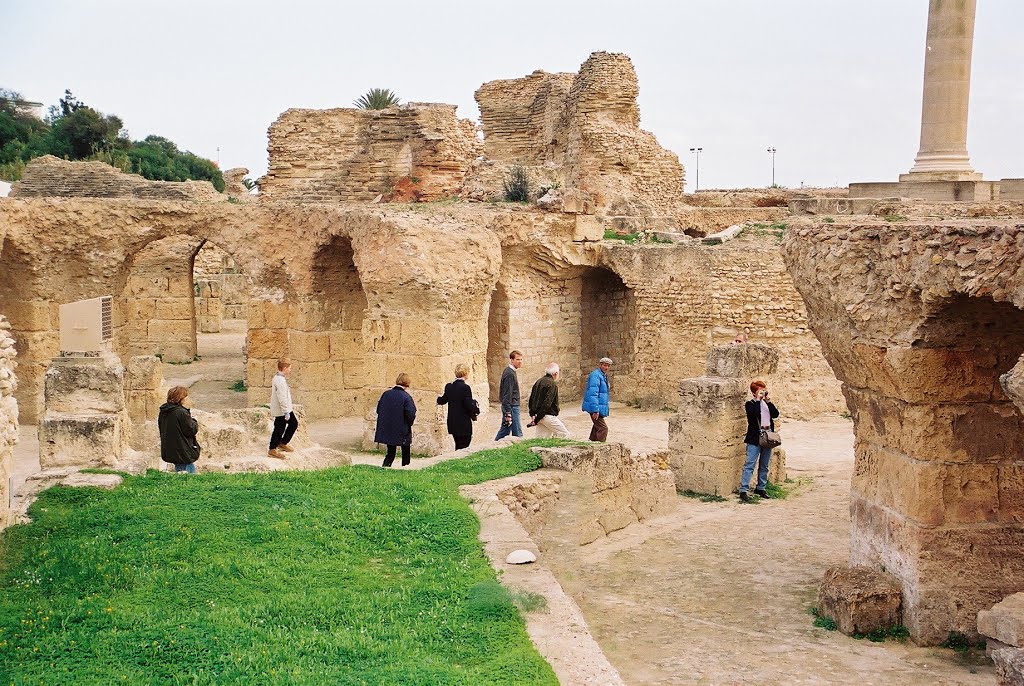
{"x":718,"y":593}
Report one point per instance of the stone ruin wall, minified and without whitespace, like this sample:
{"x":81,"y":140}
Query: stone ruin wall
{"x":8,"y":417}
{"x":350,"y":324}
{"x":346,"y":154}
{"x":924,"y":324}
{"x":50,"y":176}
{"x":585,"y":126}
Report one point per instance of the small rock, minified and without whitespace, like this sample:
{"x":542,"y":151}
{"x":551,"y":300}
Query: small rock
{"x":520,"y":557}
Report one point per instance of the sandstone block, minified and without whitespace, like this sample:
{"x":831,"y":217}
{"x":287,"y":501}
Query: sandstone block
{"x":161,"y":331}
{"x":267,"y":343}
{"x":87,"y":440}
{"x":144,"y":372}
{"x":92,"y":384}
{"x":309,"y":346}
{"x":420,"y":337}
{"x":709,"y":397}
{"x":702,"y":474}
{"x":209,"y":324}
{"x":722,"y":438}
{"x":587,"y":228}
{"x":382,"y":335}
{"x":1009,"y":664}
{"x":173,"y":308}
{"x":746,"y":362}
{"x":1005,"y":621}
{"x":31,"y":315}
{"x":860,"y":599}
{"x":347,"y":345}
{"x":319,"y":376}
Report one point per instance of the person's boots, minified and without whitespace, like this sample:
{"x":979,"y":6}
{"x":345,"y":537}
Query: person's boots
{"x":274,"y":453}
{"x":285,"y":447}
{"x":763,"y":494}
{"x":744,"y":497}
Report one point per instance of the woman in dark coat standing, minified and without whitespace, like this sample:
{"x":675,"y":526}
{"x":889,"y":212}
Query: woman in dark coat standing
{"x":761,"y":414}
{"x":178,"y":432}
{"x":462,"y":409}
{"x":396,"y":413}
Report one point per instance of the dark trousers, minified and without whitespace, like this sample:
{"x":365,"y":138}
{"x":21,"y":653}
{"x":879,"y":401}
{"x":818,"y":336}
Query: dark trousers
{"x":600,"y":430}
{"x":390,"y":457}
{"x":283,"y":430}
{"x":462,"y":441}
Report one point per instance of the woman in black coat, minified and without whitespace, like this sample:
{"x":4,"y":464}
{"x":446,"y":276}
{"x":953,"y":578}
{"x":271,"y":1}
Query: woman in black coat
{"x":396,"y":413}
{"x":462,"y":409}
{"x":178,"y":431}
{"x":761,"y":414}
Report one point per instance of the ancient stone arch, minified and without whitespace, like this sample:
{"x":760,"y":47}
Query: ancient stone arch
{"x":923,"y":325}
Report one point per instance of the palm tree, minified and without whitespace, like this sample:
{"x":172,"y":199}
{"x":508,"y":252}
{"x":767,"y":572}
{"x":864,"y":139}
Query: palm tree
{"x":377,"y":99}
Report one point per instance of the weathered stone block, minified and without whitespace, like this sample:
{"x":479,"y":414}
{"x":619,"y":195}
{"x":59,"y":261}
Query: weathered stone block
{"x":84,"y":384}
{"x":86,"y":440}
{"x":695,"y":436}
{"x":144,"y":372}
{"x":347,"y":345}
{"x":587,"y":228}
{"x":860,"y":599}
{"x":309,"y":346}
{"x":702,"y":474}
{"x":1005,"y":621}
{"x":170,"y":330}
{"x":267,"y":343}
{"x":746,"y":362}
{"x":173,"y":308}
{"x":711,"y":397}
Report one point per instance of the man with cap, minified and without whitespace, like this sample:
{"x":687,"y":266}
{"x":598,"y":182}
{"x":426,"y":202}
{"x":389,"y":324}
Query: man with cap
{"x":595,"y":399}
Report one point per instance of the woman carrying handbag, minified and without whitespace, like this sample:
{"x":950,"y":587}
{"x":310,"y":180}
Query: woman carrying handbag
{"x":760,"y":439}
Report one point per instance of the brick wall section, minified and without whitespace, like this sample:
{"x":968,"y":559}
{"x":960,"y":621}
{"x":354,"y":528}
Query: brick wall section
{"x":355,"y":155}
{"x":524,"y":118}
{"x":8,"y":417}
{"x":49,"y":176}
{"x":156,"y":314}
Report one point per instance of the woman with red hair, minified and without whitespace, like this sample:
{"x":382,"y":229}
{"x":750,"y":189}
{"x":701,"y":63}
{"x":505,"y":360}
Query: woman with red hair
{"x":761,"y":414}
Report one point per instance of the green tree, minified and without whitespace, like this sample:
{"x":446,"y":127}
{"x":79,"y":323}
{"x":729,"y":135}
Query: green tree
{"x":377,"y":99}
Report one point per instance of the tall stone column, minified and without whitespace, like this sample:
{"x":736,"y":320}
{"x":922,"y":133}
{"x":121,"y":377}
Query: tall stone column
{"x":947,"y":88}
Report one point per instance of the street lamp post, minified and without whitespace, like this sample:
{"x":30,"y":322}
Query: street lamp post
{"x":772,"y":152}
{"x":697,"y":151}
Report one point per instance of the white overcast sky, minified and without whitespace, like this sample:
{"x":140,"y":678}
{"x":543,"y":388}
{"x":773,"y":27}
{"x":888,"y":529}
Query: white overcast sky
{"x":833,"y":85}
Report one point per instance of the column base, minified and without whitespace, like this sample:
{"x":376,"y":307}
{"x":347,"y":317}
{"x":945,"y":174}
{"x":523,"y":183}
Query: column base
{"x":928,"y":176}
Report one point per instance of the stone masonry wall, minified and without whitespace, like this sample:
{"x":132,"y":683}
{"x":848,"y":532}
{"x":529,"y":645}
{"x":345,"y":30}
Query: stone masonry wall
{"x":346,"y":154}
{"x":690,"y":298}
{"x":49,"y":176}
{"x":8,"y":417}
{"x":587,"y":126}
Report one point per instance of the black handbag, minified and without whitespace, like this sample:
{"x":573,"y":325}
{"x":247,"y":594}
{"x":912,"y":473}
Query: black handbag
{"x":769,"y":439}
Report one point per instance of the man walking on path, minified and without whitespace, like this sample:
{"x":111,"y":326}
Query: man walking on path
{"x":595,"y":399}
{"x":508,"y":394}
{"x":544,"y":405}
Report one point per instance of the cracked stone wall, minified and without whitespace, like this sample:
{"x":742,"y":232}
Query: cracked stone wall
{"x":347,"y":154}
{"x":8,"y":417}
{"x":924,"y":324}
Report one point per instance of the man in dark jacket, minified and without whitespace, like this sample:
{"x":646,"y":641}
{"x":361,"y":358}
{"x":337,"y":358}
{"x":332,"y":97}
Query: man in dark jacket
{"x":396,"y":413}
{"x":544,"y":405}
{"x":462,"y":409}
{"x":178,"y":431}
{"x":508,"y":394}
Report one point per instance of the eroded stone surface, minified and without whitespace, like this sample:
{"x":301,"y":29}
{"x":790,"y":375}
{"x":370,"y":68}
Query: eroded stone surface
{"x":8,"y":417}
{"x":860,"y":599}
{"x":920,"y":322}
{"x":1005,"y":621}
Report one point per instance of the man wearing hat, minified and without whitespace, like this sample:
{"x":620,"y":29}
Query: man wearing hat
{"x":595,"y":399}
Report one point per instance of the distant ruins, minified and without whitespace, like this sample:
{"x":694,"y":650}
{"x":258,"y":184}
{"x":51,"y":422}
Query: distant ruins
{"x":345,"y":263}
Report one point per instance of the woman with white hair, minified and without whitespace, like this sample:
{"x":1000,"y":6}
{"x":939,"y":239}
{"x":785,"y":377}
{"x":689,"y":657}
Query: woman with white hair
{"x":544,"y":405}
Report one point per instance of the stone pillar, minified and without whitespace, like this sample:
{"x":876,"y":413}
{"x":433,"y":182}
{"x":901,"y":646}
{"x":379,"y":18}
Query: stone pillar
{"x":705,"y":437}
{"x":8,"y":418}
{"x":144,"y":388}
{"x":947,"y":88}
{"x":208,"y":305}
{"x":86,"y":423}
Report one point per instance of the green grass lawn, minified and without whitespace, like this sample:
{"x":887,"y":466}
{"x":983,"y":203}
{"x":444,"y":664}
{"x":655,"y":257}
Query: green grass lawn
{"x":354,"y":575}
